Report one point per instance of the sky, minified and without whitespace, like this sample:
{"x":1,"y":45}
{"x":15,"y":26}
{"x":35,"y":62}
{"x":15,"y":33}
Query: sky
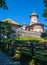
{"x":20,"y":10}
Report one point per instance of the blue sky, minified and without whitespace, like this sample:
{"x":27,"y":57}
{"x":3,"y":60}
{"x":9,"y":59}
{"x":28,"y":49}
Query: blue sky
{"x":20,"y":10}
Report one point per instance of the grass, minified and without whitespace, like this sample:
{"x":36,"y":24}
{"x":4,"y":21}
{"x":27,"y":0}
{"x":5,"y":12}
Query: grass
{"x":31,"y":39}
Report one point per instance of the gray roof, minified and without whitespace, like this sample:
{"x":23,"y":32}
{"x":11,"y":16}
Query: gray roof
{"x":34,"y":14}
{"x":10,"y":21}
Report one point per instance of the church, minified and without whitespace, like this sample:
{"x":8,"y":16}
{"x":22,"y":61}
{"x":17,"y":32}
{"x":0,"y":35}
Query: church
{"x":34,"y":29}
{"x":34,"y":24}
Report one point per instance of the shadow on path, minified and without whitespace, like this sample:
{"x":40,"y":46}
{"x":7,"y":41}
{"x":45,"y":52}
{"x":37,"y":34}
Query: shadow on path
{"x":5,"y":60}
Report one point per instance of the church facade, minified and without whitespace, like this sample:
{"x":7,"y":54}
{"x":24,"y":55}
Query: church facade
{"x":35,"y":29}
{"x":34,"y":24}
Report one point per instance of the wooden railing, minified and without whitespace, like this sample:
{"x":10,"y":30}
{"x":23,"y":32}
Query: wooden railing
{"x":37,"y":51}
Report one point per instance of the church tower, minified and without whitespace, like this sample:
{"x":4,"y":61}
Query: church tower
{"x":33,"y":18}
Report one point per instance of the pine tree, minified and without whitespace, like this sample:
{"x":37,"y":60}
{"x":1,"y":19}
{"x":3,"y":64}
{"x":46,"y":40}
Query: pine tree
{"x":45,"y":10}
{"x":3,"y":4}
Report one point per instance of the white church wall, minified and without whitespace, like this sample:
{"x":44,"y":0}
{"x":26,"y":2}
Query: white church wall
{"x":34,"y":19}
{"x":38,"y":30}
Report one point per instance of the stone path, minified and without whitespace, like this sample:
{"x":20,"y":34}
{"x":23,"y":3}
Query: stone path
{"x":5,"y":60}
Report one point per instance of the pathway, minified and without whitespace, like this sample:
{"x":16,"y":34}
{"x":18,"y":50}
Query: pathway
{"x":5,"y":60}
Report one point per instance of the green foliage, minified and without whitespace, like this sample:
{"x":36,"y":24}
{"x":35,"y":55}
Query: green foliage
{"x":45,"y":14}
{"x":3,"y":4}
{"x":32,"y":62}
{"x":5,"y":28}
{"x":32,"y":39}
{"x":45,"y":10}
{"x":18,"y":49}
{"x":45,"y":1}
{"x":46,"y":31}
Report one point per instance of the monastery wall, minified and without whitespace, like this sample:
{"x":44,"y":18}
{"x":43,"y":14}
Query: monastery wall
{"x":24,"y":33}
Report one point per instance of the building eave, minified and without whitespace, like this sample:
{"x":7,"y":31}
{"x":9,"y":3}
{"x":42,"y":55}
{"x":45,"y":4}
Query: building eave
{"x":37,"y":24}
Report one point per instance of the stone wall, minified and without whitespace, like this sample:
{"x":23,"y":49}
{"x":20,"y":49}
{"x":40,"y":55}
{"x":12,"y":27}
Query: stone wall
{"x":24,"y":33}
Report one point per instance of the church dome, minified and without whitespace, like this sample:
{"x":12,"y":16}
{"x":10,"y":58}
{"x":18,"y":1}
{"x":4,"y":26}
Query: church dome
{"x":34,"y":14}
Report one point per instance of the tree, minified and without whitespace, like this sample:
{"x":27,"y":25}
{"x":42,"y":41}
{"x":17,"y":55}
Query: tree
{"x":5,"y":29}
{"x":45,"y":10}
{"x":5,"y":32}
{"x":46,"y":31}
{"x":3,"y":4}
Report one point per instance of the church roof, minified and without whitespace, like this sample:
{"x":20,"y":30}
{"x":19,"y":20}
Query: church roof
{"x":10,"y":21}
{"x":37,"y":24}
{"x":34,"y":14}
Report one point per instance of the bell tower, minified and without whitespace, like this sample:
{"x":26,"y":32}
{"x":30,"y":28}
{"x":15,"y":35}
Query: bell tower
{"x":33,"y":18}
